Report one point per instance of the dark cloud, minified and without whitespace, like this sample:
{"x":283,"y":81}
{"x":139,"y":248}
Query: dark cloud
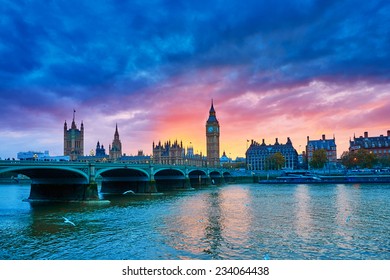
{"x":87,"y":43}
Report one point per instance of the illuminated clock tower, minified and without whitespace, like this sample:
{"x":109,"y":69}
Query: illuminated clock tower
{"x":212,"y":138}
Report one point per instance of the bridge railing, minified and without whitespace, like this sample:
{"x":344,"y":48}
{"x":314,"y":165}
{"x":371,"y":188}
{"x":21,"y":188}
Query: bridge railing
{"x":80,"y":164}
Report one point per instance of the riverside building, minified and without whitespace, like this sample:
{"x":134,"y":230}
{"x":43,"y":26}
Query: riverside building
{"x":378,"y":145}
{"x":329,"y":145}
{"x":258,"y":154}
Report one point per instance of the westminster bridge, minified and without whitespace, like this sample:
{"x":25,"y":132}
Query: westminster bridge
{"x":67,"y":181}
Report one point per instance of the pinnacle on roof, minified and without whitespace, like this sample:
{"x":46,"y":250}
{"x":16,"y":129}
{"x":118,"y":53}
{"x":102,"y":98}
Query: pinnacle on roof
{"x":73,"y":122}
{"x":116,"y":130}
{"x":212,"y":111}
{"x":212,"y":118}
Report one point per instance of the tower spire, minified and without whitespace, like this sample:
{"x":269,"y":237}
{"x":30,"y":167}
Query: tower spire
{"x":116,"y":147}
{"x":116,"y":134}
{"x":73,"y":122}
{"x":212,"y":111}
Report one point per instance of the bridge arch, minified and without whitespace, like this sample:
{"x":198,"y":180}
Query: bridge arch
{"x":105,"y":170}
{"x":215,"y":173}
{"x":165,"y":170}
{"x":62,"y":183}
{"x":227,"y":176}
{"x":226,"y":173}
{"x":216,"y":177}
{"x":118,"y":180}
{"x":198,"y":178}
{"x":170,"y":179}
{"x":51,"y":173}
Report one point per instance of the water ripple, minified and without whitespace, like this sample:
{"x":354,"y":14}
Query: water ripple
{"x":231,"y":222}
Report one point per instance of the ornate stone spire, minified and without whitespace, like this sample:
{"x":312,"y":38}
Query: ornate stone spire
{"x":116,"y":135}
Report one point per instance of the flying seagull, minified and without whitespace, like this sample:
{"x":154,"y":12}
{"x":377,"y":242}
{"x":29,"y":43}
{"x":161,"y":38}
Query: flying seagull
{"x":129,"y":192}
{"x":66,"y":220}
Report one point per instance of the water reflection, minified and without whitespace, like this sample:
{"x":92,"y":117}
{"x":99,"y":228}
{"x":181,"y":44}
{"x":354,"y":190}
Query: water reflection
{"x":196,"y":226}
{"x":236,"y":204}
{"x":303,"y":220}
{"x":215,"y":224}
{"x":230,"y":222}
{"x":344,"y":212}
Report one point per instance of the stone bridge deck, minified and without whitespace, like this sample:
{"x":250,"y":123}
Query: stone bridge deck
{"x":78,"y":180}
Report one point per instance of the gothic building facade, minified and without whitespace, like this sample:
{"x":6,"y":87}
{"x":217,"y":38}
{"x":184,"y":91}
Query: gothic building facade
{"x":174,"y":153}
{"x":168,"y":153}
{"x":100,"y":151}
{"x":73,"y":140}
{"x":212,"y":138}
{"x":115,"y":149}
{"x":257,"y":155}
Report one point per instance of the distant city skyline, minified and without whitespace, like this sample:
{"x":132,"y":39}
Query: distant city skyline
{"x":274,"y":70}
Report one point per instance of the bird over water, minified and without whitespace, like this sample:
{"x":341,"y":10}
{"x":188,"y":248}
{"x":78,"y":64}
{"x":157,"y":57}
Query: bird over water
{"x":66,"y":220}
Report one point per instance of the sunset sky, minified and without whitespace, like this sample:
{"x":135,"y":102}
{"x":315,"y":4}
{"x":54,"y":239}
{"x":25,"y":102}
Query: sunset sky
{"x":275,"y":69}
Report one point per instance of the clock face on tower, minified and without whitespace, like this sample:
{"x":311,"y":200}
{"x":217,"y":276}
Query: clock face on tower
{"x":210,"y":129}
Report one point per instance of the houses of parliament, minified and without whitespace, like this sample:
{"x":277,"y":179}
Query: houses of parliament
{"x":172,"y":153}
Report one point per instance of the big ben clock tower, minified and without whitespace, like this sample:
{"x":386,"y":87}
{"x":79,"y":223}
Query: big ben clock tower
{"x":212,"y":138}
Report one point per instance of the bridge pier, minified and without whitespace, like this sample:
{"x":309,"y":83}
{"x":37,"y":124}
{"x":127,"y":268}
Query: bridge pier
{"x":187,"y":184}
{"x":152,"y":188}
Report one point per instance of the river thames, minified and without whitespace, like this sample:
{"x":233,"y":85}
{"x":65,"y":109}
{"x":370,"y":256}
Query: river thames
{"x":232,"y":222}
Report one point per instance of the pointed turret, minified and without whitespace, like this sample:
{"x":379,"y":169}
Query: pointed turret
{"x":212,"y":116}
{"x":116,"y":134}
{"x":116,"y":147}
{"x":212,"y":111}
{"x":73,"y":121}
